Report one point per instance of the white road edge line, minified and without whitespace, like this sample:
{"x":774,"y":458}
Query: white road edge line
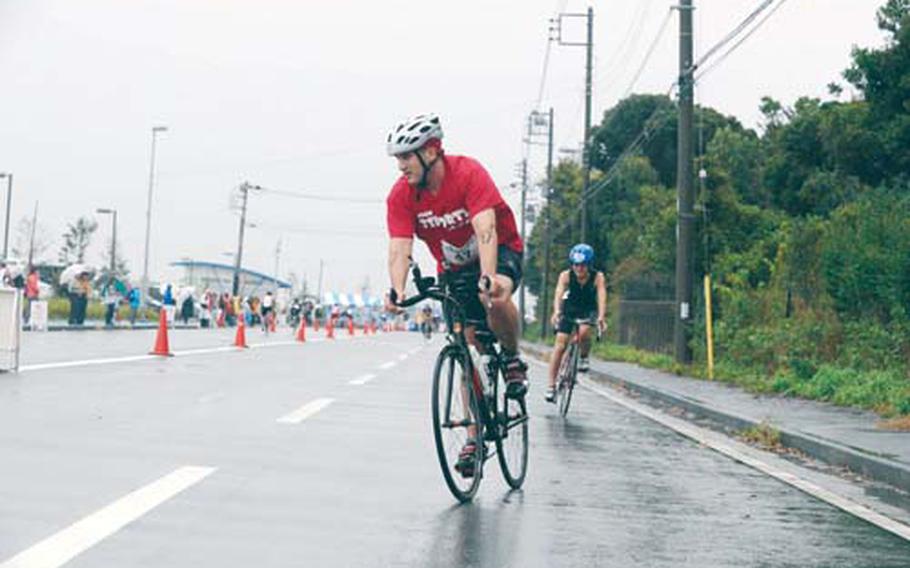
{"x":62,"y":547}
{"x":388,"y":365}
{"x":403,"y":356}
{"x":729,"y":448}
{"x":130,"y":358}
{"x":304,"y":412}
{"x":362,"y":380}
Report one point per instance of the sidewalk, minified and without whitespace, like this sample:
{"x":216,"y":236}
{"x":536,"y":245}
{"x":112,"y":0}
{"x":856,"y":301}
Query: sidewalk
{"x":837,"y":436}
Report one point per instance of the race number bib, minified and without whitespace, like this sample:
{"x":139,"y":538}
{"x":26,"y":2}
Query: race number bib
{"x":460,"y":256}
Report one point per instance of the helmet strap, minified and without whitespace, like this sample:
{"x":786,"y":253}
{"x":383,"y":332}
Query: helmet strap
{"x":425,"y":176}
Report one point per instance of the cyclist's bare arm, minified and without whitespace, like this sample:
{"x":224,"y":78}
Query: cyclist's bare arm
{"x":399,"y":260}
{"x":484,"y":224}
{"x":561,"y":284}
{"x":601,"y":284}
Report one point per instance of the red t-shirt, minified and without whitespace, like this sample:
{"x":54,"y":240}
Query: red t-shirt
{"x":443,"y":221}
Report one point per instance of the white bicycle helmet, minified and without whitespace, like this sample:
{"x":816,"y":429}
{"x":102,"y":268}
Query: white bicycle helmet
{"x":413,"y":133}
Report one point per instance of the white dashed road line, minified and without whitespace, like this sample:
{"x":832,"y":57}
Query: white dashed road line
{"x":362,"y":380}
{"x":62,"y":547}
{"x":388,"y":365}
{"x":305,"y":411}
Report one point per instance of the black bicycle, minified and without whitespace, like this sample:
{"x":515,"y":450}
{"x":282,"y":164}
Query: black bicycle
{"x":469,"y":400}
{"x":568,"y":367}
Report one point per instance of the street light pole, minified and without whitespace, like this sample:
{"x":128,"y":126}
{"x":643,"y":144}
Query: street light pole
{"x":148,"y":209}
{"x":113,"y":214}
{"x":9,"y":198}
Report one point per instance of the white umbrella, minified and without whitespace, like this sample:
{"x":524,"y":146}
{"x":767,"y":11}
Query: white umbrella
{"x":185,"y":293}
{"x":71,"y":272}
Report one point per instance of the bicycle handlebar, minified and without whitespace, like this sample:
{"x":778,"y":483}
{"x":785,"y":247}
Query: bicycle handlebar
{"x":426,"y":289}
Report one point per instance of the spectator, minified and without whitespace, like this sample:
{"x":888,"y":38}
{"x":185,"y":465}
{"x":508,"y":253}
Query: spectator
{"x":170,"y":304}
{"x":111,"y":298}
{"x":32,"y":291}
{"x":186,"y":309}
{"x":135,"y":298}
{"x":82,"y":292}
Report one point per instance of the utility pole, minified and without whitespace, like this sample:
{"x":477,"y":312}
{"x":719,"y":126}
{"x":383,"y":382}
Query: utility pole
{"x":587,"y":155}
{"x":31,"y":239}
{"x":589,"y":58}
{"x":277,"y":260}
{"x":9,"y":199}
{"x":685,"y":188}
{"x":319,"y":284}
{"x":245,"y":189}
{"x":524,"y":208}
{"x":548,"y":192}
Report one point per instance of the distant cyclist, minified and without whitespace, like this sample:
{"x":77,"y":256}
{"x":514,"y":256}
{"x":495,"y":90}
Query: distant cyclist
{"x":581,"y":294}
{"x":426,"y":321}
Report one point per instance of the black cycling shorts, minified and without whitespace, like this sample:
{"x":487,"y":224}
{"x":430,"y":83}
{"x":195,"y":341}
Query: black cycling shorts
{"x":463,"y":283}
{"x":567,"y":321}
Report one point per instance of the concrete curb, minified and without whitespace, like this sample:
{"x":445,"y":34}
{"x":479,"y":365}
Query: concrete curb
{"x":828,"y":451}
{"x":93,"y":326}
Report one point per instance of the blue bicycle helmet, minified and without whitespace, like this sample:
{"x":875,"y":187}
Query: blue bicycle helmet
{"x":581,"y":254}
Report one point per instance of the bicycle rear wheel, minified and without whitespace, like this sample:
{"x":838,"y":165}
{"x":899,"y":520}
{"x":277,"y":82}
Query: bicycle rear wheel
{"x":567,"y":376}
{"x":512,"y":435}
{"x":456,"y":415}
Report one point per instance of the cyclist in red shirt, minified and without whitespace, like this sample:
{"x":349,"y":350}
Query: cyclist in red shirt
{"x":452,"y":205}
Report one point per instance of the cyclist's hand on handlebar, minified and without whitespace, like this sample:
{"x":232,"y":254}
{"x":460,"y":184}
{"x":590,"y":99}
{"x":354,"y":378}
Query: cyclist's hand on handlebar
{"x":554,"y":320}
{"x":488,"y":287}
{"x":391,"y":300}
{"x":601,"y":326}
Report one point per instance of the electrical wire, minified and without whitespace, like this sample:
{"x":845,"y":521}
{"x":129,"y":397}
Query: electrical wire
{"x":648,"y":54}
{"x":318,"y":197}
{"x":742,"y":40}
{"x":733,"y":33}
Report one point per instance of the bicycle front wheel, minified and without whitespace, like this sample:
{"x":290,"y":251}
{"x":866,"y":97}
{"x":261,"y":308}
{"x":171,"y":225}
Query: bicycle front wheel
{"x":512,"y":435}
{"x":456,"y":421}
{"x":567,"y":377}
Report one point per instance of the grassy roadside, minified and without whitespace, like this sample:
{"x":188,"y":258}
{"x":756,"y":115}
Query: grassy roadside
{"x":886,"y":392}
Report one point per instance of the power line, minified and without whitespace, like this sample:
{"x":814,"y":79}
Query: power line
{"x":320,"y":197}
{"x":317,"y":230}
{"x":648,"y":54}
{"x":742,"y":40}
{"x":733,"y":33}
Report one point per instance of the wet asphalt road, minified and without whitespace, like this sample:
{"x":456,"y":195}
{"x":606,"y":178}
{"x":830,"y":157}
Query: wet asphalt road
{"x":357,"y":482}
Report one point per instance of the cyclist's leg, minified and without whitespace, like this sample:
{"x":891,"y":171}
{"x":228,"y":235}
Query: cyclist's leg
{"x":502,"y":314}
{"x":559,"y":349}
{"x":585,"y":331}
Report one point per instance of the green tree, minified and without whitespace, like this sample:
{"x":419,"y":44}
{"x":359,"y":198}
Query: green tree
{"x":76,"y":240}
{"x":883,"y":77}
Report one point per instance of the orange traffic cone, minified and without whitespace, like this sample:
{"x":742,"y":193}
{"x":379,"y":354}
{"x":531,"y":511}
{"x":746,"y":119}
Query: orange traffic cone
{"x":240,"y":338}
{"x":350,"y":326}
{"x":330,"y":329}
{"x":301,"y":331}
{"x":161,"y":345}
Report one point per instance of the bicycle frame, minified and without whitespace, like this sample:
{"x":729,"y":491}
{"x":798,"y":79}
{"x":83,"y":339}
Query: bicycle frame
{"x":454,"y":314}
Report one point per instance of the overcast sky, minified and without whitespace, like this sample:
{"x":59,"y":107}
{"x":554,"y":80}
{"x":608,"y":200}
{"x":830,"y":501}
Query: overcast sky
{"x":297,"y":95}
